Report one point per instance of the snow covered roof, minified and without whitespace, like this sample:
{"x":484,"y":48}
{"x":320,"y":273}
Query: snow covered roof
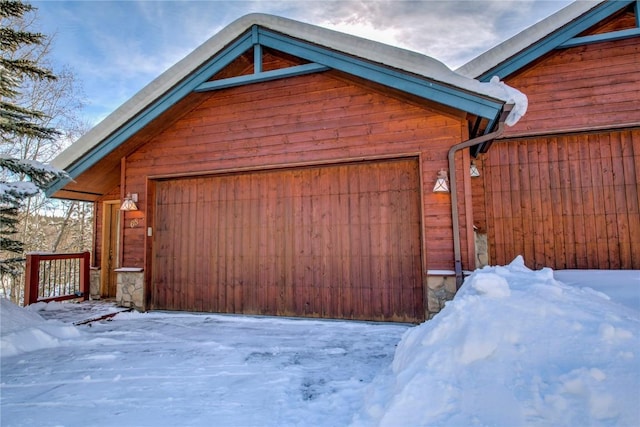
{"x":540,"y":38}
{"x":432,"y":74}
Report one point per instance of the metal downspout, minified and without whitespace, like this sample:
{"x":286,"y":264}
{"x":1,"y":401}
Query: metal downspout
{"x":454,"y":194}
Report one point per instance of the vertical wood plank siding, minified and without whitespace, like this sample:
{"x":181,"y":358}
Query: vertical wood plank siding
{"x":335,"y":241}
{"x":565,"y":201}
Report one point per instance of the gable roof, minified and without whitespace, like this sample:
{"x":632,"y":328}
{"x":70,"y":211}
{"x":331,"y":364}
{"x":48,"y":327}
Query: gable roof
{"x":562,"y":29}
{"x":324,"y":49}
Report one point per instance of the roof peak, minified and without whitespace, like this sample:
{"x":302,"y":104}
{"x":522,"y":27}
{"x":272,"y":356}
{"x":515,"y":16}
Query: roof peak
{"x":540,"y":38}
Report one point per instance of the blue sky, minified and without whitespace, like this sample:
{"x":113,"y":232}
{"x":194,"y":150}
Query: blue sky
{"x":115,"y":48}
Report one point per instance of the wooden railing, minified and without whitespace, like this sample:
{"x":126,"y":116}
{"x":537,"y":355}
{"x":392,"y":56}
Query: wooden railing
{"x":56,"y":277}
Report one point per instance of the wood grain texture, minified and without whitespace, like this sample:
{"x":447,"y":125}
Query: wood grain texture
{"x":579,"y":208}
{"x":581,"y":87}
{"x":337,"y":241}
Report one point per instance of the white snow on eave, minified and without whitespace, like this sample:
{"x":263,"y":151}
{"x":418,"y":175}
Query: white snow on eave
{"x":507,"y":49}
{"x":366,"y":49}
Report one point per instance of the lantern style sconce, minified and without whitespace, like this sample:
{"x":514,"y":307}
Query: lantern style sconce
{"x":129,"y":203}
{"x":442,"y":182}
{"x":473,"y":170}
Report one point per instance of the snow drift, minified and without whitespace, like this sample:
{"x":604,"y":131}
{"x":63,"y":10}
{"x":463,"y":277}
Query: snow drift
{"x":514,"y":347}
{"x":24,"y":330}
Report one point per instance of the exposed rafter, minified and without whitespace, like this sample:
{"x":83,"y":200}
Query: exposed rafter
{"x":605,"y":37}
{"x":323,"y":59}
{"x":264,"y":76}
{"x":610,"y":36}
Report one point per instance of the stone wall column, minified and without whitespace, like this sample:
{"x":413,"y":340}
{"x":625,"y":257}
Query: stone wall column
{"x":441,"y":287}
{"x":94,"y":283}
{"x":482,"y":249}
{"x":130,"y":288}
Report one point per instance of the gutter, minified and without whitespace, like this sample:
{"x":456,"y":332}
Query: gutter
{"x":454,"y":193}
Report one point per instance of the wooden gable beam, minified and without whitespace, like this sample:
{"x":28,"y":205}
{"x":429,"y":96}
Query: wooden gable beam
{"x":428,"y":89}
{"x":265,"y":76}
{"x":259,"y":75}
{"x":605,"y":37}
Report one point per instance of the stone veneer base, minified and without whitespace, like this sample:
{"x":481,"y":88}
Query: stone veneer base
{"x":130,"y":288}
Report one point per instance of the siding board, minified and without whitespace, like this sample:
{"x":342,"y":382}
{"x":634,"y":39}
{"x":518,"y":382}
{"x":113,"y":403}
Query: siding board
{"x":558,"y":203}
{"x":580,"y":198}
{"x":581,"y":87}
{"x":387,"y":221}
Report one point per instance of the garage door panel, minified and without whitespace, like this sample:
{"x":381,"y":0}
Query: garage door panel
{"x":336,"y":241}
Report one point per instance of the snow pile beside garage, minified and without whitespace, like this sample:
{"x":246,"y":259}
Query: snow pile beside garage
{"x":514,"y":347}
{"x":25,"y":330}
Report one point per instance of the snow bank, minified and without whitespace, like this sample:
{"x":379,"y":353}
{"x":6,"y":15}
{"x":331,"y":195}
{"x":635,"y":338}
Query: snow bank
{"x":621,"y":286}
{"x":23,"y":330}
{"x":514,"y":347}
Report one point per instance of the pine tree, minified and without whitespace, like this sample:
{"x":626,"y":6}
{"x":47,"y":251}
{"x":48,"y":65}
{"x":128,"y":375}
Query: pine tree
{"x":20,"y":178}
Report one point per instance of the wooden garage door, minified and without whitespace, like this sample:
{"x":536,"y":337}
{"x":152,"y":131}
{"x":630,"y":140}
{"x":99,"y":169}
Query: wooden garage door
{"x":337,"y":241}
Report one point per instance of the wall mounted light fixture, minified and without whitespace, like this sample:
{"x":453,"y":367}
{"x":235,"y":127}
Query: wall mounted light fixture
{"x":442,"y":182}
{"x":473,"y":170}
{"x":129,"y":203}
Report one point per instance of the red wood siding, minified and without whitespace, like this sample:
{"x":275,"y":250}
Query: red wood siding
{"x":478,"y":194}
{"x":579,"y":88}
{"x":337,"y":241}
{"x":566,"y":201}
{"x":320,"y":118}
{"x":563,"y":192}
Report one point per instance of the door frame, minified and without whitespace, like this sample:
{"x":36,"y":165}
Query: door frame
{"x":110,"y":230}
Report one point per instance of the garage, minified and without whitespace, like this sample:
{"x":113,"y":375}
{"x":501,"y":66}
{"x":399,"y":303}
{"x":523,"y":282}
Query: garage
{"x":332,"y":241}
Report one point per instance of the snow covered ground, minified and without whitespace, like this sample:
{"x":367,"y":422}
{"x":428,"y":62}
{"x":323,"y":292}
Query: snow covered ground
{"x":177,"y":369}
{"x":515,"y":347}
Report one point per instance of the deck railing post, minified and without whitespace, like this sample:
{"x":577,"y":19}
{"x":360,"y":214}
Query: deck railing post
{"x":85,"y":284}
{"x":32,"y":279}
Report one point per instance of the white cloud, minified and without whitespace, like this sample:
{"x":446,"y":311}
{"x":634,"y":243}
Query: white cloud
{"x":450,"y":31}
